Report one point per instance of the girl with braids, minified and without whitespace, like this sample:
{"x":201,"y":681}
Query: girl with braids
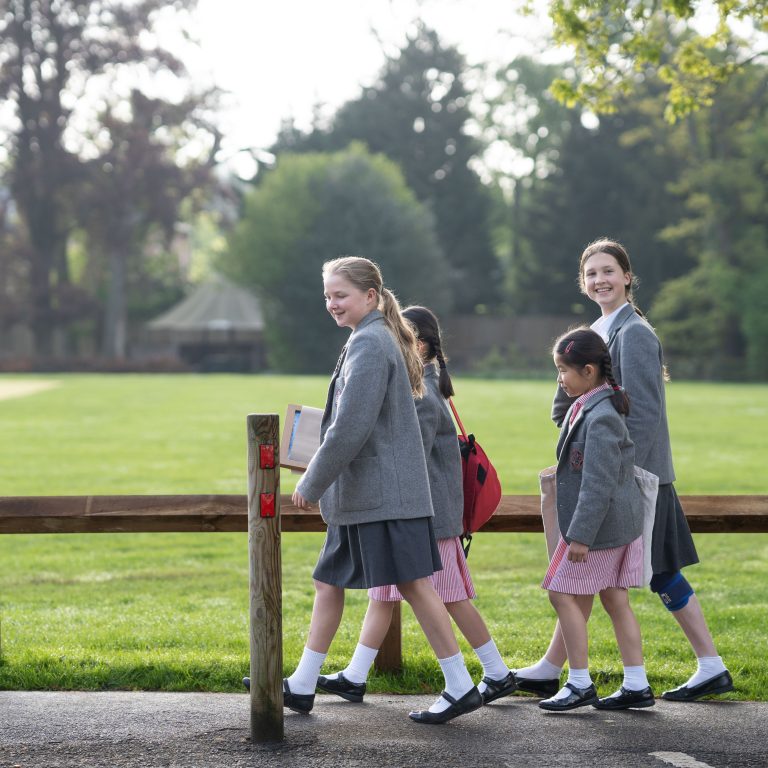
{"x":370,"y":478}
{"x":600,"y":549}
{"x":453,"y":583}
{"x":606,"y":277}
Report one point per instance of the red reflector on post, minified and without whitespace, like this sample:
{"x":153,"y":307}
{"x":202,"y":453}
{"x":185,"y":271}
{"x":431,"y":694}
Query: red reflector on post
{"x":267,"y":505}
{"x":267,"y":456}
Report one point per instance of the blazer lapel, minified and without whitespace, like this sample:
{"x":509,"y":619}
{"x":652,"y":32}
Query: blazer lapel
{"x":332,"y":386}
{"x":625,"y":313}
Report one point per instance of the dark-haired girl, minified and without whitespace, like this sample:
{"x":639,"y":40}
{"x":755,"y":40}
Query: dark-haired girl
{"x":606,"y":277}
{"x":600,"y":550}
{"x":453,"y":583}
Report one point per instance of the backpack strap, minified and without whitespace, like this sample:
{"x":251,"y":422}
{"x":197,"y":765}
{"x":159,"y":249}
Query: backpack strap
{"x":458,"y":420}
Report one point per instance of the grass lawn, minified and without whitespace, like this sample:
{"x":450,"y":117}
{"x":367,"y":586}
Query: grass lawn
{"x":169,"y":611}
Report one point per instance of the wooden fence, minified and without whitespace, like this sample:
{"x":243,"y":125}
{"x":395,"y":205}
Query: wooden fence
{"x":265,"y":514}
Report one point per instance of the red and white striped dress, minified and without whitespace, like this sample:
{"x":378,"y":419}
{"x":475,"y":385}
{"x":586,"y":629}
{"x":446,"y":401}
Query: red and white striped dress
{"x":453,"y":583}
{"x":604,"y":568}
{"x":620,"y":567}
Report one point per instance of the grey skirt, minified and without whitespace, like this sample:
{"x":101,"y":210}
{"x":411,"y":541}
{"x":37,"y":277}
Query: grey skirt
{"x":375,"y":554}
{"x":672,"y":547}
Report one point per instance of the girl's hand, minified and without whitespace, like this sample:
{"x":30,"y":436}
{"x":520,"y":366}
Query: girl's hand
{"x":300,"y":502}
{"x":577,"y":552}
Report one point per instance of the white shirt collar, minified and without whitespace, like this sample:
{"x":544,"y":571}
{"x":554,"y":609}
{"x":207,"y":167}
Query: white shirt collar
{"x":604,"y":323}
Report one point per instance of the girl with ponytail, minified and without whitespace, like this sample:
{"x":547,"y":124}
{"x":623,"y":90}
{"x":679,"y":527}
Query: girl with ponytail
{"x":600,"y":549}
{"x":370,"y":478}
{"x":453,"y":583}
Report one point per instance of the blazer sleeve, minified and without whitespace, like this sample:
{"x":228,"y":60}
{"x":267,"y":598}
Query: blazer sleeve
{"x":560,"y":406}
{"x":600,"y":473}
{"x":641,"y":376}
{"x":366,"y":373}
{"x":429,"y":419}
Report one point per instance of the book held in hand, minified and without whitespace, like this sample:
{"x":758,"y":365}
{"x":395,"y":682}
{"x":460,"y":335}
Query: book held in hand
{"x":301,"y":436}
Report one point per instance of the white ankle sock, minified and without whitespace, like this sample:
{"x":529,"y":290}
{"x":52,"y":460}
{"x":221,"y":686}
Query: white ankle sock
{"x":360,"y":664}
{"x":541,"y":670}
{"x":635,"y":678}
{"x":304,"y":679}
{"x":577,"y":677}
{"x":708,"y":667}
{"x":493,"y":665}
{"x":457,"y":681}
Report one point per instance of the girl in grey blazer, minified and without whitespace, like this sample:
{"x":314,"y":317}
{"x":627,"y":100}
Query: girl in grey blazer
{"x":370,"y":478}
{"x":453,"y":583}
{"x":600,"y":549}
{"x":605,"y":275}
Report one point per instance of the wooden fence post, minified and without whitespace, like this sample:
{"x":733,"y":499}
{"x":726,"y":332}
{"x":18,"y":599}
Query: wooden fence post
{"x":390,"y":655}
{"x":266,"y":601}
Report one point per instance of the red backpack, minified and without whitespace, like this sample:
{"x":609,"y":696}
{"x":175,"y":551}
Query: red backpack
{"x":482,"y":490}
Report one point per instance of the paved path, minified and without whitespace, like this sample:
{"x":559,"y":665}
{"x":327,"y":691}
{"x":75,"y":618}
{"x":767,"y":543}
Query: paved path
{"x":191,"y":730}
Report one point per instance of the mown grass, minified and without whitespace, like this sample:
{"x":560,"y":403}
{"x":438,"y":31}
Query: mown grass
{"x":169,"y":611}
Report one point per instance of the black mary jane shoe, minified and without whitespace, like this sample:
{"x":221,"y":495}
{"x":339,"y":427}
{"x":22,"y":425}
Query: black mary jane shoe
{"x":578,"y":697}
{"x":543,"y":688}
{"x":297,"y":702}
{"x":495,"y":689}
{"x":467,"y":703}
{"x":721,"y":683}
{"x":626,"y":699}
{"x":342,"y":687}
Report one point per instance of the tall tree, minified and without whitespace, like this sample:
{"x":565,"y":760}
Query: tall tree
{"x":135,"y":188}
{"x":314,"y":207}
{"x":417,"y":114}
{"x":51,"y":53}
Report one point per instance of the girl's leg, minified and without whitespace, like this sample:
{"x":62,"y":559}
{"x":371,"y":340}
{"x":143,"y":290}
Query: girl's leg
{"x":694,"y":625}
{"x":435,"y":622}
{"x":625,"y":626}
{"x":471,"y":624}
{"x":550,"y":666}
{"x":378,"y":617}
{"x":572,"y":612}
{"x":635,"y":691}
{"x":326,"y":617}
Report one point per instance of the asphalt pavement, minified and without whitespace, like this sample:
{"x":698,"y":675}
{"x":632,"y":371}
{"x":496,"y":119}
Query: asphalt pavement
{"x":206,"y":730}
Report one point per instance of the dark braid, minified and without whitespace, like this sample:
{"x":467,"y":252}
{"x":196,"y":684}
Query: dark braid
{"x":427,"y":330}
{"x":619,"y":397}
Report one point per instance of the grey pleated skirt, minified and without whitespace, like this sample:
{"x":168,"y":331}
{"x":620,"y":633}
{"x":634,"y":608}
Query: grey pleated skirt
{"x":672,"y":547}
{"x":375,"y":554}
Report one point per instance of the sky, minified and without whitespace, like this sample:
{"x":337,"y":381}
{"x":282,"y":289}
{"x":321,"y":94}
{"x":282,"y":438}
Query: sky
{"x":279,"y":58}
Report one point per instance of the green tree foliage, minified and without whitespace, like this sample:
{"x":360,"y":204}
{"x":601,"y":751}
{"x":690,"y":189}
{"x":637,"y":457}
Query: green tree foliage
{"x":314,"y":207}
{"x":54,"y":57}
{"x":616,"y":43}
{"x":609,"y":179}
{"x":417,"y":114}
{"x":724,"y":228}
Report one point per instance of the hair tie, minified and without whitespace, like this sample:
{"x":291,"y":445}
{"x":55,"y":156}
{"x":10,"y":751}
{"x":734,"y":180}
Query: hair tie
{"x":616,"y":388}
{"x":569,"y":347}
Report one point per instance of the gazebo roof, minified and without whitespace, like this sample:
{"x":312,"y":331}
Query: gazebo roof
{"x":216,"y":304}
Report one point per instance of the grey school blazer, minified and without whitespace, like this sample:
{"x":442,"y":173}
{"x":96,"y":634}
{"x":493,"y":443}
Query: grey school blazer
{"x":370,"y":465}
{"x":598,"y":500}
{"x":441,"y":448}
{"x":638,"y":365}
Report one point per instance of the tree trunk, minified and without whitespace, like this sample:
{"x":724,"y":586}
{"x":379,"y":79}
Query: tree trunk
{"x":114,"y":332}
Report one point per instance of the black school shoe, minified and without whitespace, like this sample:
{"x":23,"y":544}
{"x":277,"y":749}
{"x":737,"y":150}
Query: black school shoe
{"x":467,"y":703}
{"x":296,"y":702}
{"x":721,"y":683}
{"x":495,"y":689}
{"x":342,"y":687}
{"x":578,"y":697}
{"x":627,"y":699}
{"x":543,"y":688}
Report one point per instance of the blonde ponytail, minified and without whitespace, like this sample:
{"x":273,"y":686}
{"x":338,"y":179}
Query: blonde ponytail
{"x":364,"y":274}
{"x":406,"y":339}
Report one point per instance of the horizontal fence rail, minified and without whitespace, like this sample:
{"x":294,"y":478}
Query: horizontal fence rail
{"x":229,"y":513}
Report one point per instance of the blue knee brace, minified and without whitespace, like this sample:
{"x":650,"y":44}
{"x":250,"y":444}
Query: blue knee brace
{"x":673,"y":589}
